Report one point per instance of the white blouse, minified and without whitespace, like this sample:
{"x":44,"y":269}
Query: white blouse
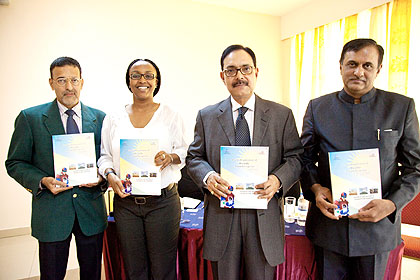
{"x":165,"y":125}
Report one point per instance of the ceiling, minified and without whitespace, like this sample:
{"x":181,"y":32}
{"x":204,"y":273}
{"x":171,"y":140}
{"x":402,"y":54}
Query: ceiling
{"x":269,"y":7}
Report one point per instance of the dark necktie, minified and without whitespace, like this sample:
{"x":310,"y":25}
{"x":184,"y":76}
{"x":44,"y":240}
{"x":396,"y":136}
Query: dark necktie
{"x":242,"y":136}
{"x":71,"y":123}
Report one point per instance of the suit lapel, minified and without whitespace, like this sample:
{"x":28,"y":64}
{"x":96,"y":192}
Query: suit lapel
{"x":52,"y":119}
{"x":54,"y":125}
{"x":88,"y":120}
{"x":226,"y":120}
{"x":261,"y":119}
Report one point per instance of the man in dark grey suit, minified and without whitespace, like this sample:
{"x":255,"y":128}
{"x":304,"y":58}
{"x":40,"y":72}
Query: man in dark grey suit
{"x":256,"y":236}
{"x":359,"y":117}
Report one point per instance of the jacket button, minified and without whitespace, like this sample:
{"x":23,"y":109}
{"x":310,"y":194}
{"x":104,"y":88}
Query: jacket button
{"x":75,"y":195}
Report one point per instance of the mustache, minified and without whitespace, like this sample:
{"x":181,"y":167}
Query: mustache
{"x":70,"y":91}
{"x":358,"y":79}
{"x":240,"y":83}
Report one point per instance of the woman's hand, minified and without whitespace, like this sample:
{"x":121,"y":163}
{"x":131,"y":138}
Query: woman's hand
{"x":164,"y":159}
{"x":116,"y":185}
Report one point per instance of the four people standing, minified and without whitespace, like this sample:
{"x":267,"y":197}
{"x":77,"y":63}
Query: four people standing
{"x":357,"y":117}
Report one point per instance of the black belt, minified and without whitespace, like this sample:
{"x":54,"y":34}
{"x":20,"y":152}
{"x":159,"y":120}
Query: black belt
{"x":143,"y":199}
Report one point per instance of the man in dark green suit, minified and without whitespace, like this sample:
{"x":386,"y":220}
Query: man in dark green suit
{"x":58,"y":210}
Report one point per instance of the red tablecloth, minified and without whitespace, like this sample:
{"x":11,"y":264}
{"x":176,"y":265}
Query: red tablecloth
{"x":299,"y":258}
{"x":113,"y":261}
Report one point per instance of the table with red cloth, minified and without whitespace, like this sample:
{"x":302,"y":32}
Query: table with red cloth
{"x":298,"y":251}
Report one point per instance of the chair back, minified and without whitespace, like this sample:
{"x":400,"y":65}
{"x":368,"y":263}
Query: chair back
{"x":411,"y":212}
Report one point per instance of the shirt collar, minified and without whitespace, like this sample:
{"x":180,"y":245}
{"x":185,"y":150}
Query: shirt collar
{"x":250,"y":104}
{"x":77,"y":109}
{"x":350,"y":99}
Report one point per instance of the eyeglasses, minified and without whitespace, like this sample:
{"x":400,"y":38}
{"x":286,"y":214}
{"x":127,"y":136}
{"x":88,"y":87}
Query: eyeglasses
{"x":232,"y":72}
{"x":147,"y":76}
{"x":63,"y":81}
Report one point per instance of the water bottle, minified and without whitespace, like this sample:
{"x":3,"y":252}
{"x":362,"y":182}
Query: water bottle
{"x":302,"y":210}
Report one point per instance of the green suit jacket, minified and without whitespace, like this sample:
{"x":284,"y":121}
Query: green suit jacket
{"x":30,"y":159}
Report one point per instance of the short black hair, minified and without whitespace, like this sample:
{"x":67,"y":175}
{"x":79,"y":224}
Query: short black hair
{"x":233,"y":48}
{"x":127,"y":74}
{"x":63,"y":61}
{"x":358,"y":44}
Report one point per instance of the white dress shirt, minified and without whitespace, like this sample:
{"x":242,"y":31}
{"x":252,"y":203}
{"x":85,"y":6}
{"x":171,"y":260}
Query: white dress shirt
{"x":77,"y":116}
{"x":166,"y":125}
{"x":249,"y":116}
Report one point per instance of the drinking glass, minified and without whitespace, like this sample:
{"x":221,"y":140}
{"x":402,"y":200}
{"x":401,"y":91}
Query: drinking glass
{"x":289,"y":209}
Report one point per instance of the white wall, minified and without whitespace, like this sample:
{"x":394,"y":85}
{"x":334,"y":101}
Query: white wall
{"x":184,"y":38}
{"x":321,"y":12}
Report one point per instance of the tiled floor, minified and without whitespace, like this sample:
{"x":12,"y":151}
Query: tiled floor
{"x":19,"y":260}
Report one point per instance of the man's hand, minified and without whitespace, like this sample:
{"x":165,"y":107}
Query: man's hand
{"x":217,"y":186}
{"x":91,"y":185}
{"x":116,"y":185}
{"x":269,"y":188}
{"x":54,"y":185}
{"x":323,"y":200}
{"x":375,"y":210}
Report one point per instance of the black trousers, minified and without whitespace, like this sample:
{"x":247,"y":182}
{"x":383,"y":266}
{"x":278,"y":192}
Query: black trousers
{"x":53,"y":256}
{"x":148,"y":230}
{"x":335,"y":266}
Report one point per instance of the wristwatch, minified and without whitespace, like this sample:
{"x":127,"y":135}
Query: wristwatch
{"x":109,"y":172}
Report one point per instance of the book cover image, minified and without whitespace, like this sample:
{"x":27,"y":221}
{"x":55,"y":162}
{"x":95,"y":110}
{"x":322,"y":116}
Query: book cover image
{"x":244,"y":167}
{"x":355,"y":179}
{"x":75,"y":158}
{"x":138,"y":172}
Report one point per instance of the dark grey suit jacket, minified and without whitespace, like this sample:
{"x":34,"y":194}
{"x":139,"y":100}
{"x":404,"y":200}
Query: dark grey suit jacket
{"x":334,"y":123}
{"x":274,"y":126}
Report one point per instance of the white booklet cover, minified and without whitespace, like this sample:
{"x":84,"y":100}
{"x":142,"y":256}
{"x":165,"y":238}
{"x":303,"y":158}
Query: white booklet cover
{"x":355,"y":179}
{"x":138,"y":172}
{"x":244,"y":167}
{"x":75,"y":158}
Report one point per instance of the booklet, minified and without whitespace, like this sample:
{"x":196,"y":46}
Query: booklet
{"x":189,"y":202}
{"x":244,"y":167}
{"x":355,"y":179}
{"x":138,"y":172}
{"x":75,"y":158}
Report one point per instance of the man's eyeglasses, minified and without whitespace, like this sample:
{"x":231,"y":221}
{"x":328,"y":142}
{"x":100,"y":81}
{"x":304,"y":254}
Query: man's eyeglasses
{"x":147,"y":76}
{"x":63,"y":81}
{"x":232,"y":72}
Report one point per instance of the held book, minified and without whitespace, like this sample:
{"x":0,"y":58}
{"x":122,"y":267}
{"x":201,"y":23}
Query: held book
{"x":75,"y":158}
{"x":355,"y":179}
{"x":244,"y":167}
{"x":138,"y":172}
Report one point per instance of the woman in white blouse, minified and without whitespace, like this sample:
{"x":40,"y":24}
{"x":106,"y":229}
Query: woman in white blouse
{"x":148,"y":225}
